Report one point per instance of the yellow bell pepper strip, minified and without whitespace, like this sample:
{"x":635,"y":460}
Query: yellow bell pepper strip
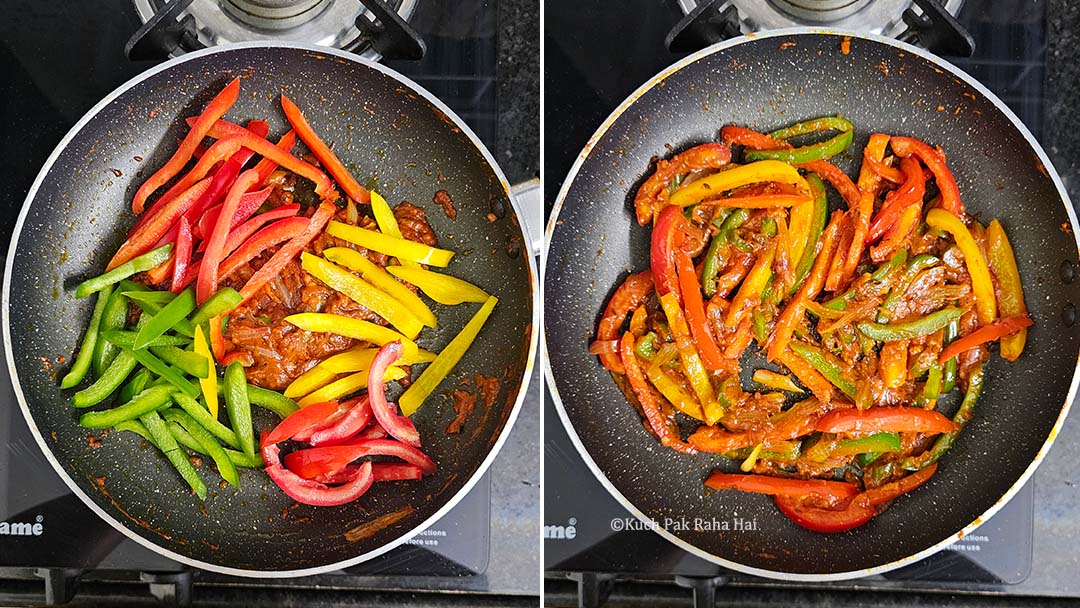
{"x":683,"y":401}
{"x":819,"y":213}
{"x":209,"y":383}
{"x":402,"y":249}
{"x":89,"y":342}
{"x":664,"y":427}
{"x":1010,"y":295}
{"x":347,"y":386}
{"x":691,"y":360}
{"x":414,"y":396}
{"x":363,"y":293}
{"x":799,"y":222}
{"x":753,"y":286}
{"x":351,"y":328}
{"x":713,"y":186}
{"x":442,"y":288}
{"x":309,"y":381}
{"x":387,"y":222}
{"x":893,"y":363}
{"x":164,"y":440}
{"x":355,"y":360}
{"x":381,"y":279}
{"x":780,"y":382}
{"x":982,"y":286}
{"x":138,"y":264}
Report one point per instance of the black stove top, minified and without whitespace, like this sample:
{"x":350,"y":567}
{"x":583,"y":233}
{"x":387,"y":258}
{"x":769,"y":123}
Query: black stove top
{"x":594,"y":59}
{"x":56,"y":61}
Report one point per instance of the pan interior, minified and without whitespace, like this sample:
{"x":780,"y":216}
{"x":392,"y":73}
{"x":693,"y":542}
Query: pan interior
{"x":79,"y":212}
{"x":766,"y":83}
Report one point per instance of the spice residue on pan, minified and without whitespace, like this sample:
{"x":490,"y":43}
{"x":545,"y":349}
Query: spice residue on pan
{"x":464,"y":404}
{"x":845,"y":45}
{"x":442,"y":199}
{"x":370,"y":528}
{"x":884,"y":67}
{"x":787,"y":45}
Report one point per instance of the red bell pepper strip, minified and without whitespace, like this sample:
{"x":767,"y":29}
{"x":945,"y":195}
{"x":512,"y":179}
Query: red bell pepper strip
{"x":181,"y":255}
{"x":999,"y":329}
{"x":289,"y":250}
{"x":314,"y":462}
{"x":629,"y":296}
{"x":910,"y":193}
{"x":893,"y":490}
{"x":805,"y":512}
{"x":142,"y":239}
{"x":381,"y":471}
{"x":653,"y":194}
{"x":837,"y":179}
{"x":266,"y":166}
{"x":882,"y":170}
{"x":240,"y":233}
{"x":649,"y":400}
{"x":326,"y":156}
{"x":372,"y":432}
{"x":249,"y":204}
{"x":897,"y":234}
{"x":223,"y":128}
{"x":694,"y":307}
{"x":667,"y":236}
{"x":782,"y":486}
{"x":356,"y":417}
{"x":885,"y":419}
{"x":214,"y":110}
{"x":741,"y":136}
{"x":207,"y":283}
{"x":262,"y":240}
{"x":305,"y":418}
{"x":935,"y":161}
{"x":243,"y":357}
{"x":868,"y":187}
{"x":399,"y":427}
{"x":217,"y":339}
{"x":312,"y":492}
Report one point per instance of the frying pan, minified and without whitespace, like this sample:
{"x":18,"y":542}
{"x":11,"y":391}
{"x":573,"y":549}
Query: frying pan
{"x":763,"y":82}
{"x":78,"y":212}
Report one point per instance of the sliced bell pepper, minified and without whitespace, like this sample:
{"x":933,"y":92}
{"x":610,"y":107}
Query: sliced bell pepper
{"x":962,"y":416}
{"x":898,"y":234}
{"x":629,"y":296}
{"x":314,"y":493}
{"x":238,"y":407}
{"x":214,"y":110}
{"x":164,"y":440}
{"x":885,"y":419}
{"x":352,"y":328}
{"x":667,"y":236}
{"x":314,"y":462}
{"x":147,"y":401}
{"x":278,"y":232}
{"x":683,"y":401}
{"x":358,"y":416}
{"x":113,"y":318}
{"x":249,"y":204}
{"x":143,"y":238}
{"x":652,"y":196}
{"x":167,"y":372}
{"x":363,"y":293}
{"x":382,"y":280}
{"x":223,"y":300}
{"x":1010,"y":293}
{"x":691,"y":360}
{"x":819,"y":151}
{"x":122,"y":365}
{"x":714,"y":185}
{"x":387,"y":222}
{"x":309,"y":381}
{"x":303,"y":419}
{"x":238,"y":235}
{"x":804,"y":512}
{"x":442,"y":288}
{"x":946,"y":183}
{"x":289,"y":250}
{"x":184,"y":360}
{"x":444,"y":362}
{"x":868,"y":186}
{"x":999,"y":329}
{"x":165,"y":319}
{"x":749,"y":294}
{"x":266,"y":166}
{"x":694,"y":308}
{"x":878,"y":442}
{"x":399,"y":427}
{"x":837,"y":179}
{"x":181,"y":256}
{"x":359,"y":359}
{"x":347,"y":386}
{"x":223,"y":128}
{"x":207,"y":442}
{"x":209,"y":383}
{"x":826,"y":365}
{"x":777,"y":381}
{"x":119,"y":337}
{"x":893,"y":363}
{"x":272,"y":401}
{"x":909,"y":193}
{"x":982,"y":285}
{"x":665,"y":429}
{"x":818,"y":215}
{"x":89,"y":342}
{"x":207,"y":282}
{"x":326,"y":156}
{"x":714,"y":256}
{"x":217,"y":338}
{"x":383,"y":243}
{"x":914,"y":328}
{"x":783,"y":486}
{"x":886,"y":172}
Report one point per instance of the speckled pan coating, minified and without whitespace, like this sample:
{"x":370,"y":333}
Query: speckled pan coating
{"x":79,"y":210}
{"x":766,"y":82}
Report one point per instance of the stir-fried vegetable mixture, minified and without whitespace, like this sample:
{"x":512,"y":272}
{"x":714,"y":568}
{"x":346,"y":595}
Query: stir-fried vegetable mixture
{"x":315,"y":299}
{"x":869,"y":317}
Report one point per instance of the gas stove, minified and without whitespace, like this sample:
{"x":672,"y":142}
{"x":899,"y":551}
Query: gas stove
{"x":57,"y":62}
{"x":595,"y":551}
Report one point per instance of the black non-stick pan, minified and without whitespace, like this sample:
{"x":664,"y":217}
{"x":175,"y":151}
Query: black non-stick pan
{"x":768,"y":81}
{"x":78,"y":212}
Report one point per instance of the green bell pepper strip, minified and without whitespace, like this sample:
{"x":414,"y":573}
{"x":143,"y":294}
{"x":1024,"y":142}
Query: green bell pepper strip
{"x":174,"y":376}
{"x":167,"y":444}
{"x":760,"y":325}
{"x":887,"y":332}
{"x":829,"y":368}
{"x":154,"y":299}
{"x":146,"y":401}
{"x":948,"y":374}
{"x":864,"y":460}
{"x":184,"y":360}
{"x":126,"y":339}
{"x":646,"y":346}
{"x":134,"y":426}
{"x":768,"y":226}
{"x":134,"y":386}
{"x":206,"y":420}
{"x":876,"y":443}
{"x":223,"y":300}
{"x":107,"y":382}
{"x":207,"y":442}
{"x":819,"y":151}
{"x":239,"y":459}
{"x":918,"y":264}
{"x":166,"y":318}
{"x":841,"y":301}
{"x":89,"y":342}
{"x":239,"y":406}
{"x":271,"y":400}
{"x":150,"y":306}
{"x":932,"y":388}
{"x":113,"y":318}
{"x":142,"y":263}
{"x":962,"y":416}
{"x":817,"y":227}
